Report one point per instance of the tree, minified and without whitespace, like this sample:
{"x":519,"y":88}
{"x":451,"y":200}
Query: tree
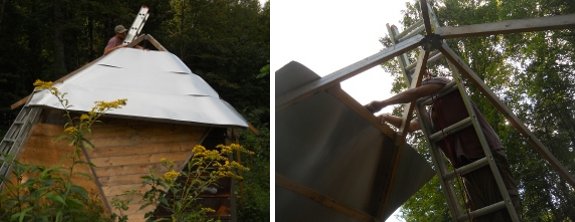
{"x":532,"y":73}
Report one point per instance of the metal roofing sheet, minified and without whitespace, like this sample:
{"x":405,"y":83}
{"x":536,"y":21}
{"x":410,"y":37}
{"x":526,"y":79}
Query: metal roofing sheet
{"x":325,"y":146}
{"x":157,"y":84}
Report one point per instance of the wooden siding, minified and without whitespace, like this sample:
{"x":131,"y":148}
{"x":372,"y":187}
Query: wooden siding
{"x":42,"y":148}
{"x":125,"y":150}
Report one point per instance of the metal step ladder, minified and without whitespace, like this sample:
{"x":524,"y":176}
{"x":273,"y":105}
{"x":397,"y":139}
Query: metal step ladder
{"x":137,"y":25}
{"x":15,"y":137}
{"x":447,"y":177}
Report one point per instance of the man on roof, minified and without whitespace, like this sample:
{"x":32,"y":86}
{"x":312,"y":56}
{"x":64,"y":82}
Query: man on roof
{"x":116,"y":41}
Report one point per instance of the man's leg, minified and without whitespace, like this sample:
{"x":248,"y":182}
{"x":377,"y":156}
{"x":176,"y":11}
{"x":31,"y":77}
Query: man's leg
{"x":482,"y":189}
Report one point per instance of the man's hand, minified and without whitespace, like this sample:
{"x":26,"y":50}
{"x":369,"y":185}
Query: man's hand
{"x":384,"y":118}
{"x":375,"y":106}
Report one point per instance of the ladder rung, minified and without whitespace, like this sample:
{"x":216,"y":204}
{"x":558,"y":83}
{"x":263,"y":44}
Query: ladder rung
{"x":409,"y":29}
{"x":450,"y":87}
{"x":467,"y":168}
{"x":450,"y":129}
{"x":411,"y":34}
{"x":434,"y":56}
{"x":483,"y":211}
{"x":9,"y":140}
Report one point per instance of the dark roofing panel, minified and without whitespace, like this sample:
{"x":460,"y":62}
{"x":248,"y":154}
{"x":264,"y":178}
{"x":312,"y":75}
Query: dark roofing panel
{"x":325,"y":146}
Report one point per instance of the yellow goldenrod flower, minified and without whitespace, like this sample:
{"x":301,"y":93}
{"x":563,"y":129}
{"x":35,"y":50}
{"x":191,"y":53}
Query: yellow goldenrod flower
{"x":171,"y":175}
{"x":70,"y":130}
{"x":84,"y":117}
{"x":235,"y":146}
{"x":43,"y":85}
{"x":198,"y":149}
{"x":102,"y":105}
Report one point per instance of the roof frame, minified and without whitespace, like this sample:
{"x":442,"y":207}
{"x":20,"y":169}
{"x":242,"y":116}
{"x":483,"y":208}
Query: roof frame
{"x":433,"y":41}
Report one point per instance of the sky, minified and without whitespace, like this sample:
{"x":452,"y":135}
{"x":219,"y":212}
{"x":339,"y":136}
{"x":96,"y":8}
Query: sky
{"x":327,"y":35}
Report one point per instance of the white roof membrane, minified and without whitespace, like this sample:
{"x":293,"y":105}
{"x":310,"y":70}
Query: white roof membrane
{"x":157,"y":84}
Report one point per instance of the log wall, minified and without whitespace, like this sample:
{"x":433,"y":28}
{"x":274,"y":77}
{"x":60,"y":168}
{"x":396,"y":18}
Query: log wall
{"x":125,"y":150}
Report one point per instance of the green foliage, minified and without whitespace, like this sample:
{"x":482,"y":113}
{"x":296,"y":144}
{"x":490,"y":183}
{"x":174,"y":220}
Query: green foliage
{"x":46,"y":194}
{"x":39,"y":193}
{"x":428,"y":204}
{"x":254,"y":190}
{"x":532,"y":73}
{"x":227,"y":43}
{"x":203,"y":171}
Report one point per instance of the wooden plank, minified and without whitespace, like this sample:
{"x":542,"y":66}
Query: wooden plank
{"x":155,"y":43}
{"x":355,"y":106}
{"x":44,"y":150}
{"x":408,"y":111}
{"x":46,"y":129}
{"x":135,"y":214}
{"x":137,"y":159}
{"x":345,"y":73}
{"x":509,"y":26}
{"x":143,"y":137}
{"x":126,"y":129}
{"x":514,"y":120}
{"x":322,"y":199}
{"x":131,"y":169}
{"x":425,"y":15}
{"x":150,"y":148}
{"x":111,"y":191}
{"x":120,"y":180}
{"x":113,"y":126}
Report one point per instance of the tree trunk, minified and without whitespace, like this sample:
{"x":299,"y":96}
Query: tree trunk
{"x":59,"y":54}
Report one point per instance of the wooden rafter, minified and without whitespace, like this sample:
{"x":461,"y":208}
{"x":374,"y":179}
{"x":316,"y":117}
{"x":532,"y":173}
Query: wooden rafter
{"x":408,"y":111}
{"x":426,"y":17}
{"x":348,"y":72}
{"x":509,"y":26}
{"x":319,"y":198}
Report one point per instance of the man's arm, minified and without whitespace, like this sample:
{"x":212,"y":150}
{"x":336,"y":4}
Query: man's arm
{"x":406,"y":96}
{"x":110,"y":49}
{"x":396,"y":121}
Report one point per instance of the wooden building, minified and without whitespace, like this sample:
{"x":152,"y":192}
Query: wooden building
{"x":169,"y":110}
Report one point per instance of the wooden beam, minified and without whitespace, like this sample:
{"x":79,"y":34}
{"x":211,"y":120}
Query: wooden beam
{"x":148,"y":38}
{"x":408,"y":111}
{"x":347,"y":72}
{"x":399,"y":141}
{"x":509,"y":26}
{"x":155,"y":43}
{"x":425,"y":15}
{"x":515,"y":122}
{"x":359,"y":109}
{"x":326,"y":201}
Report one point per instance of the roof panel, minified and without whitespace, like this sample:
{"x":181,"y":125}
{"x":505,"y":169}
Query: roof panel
{"x":147,"y":79}
{"x":325,"y":146}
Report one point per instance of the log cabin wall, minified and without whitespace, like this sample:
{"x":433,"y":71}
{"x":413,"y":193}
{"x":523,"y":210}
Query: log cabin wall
{"x":125,"y":150}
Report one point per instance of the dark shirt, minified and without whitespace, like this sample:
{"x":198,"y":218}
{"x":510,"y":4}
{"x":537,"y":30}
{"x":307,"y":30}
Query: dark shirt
{"x":463,"y":146}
